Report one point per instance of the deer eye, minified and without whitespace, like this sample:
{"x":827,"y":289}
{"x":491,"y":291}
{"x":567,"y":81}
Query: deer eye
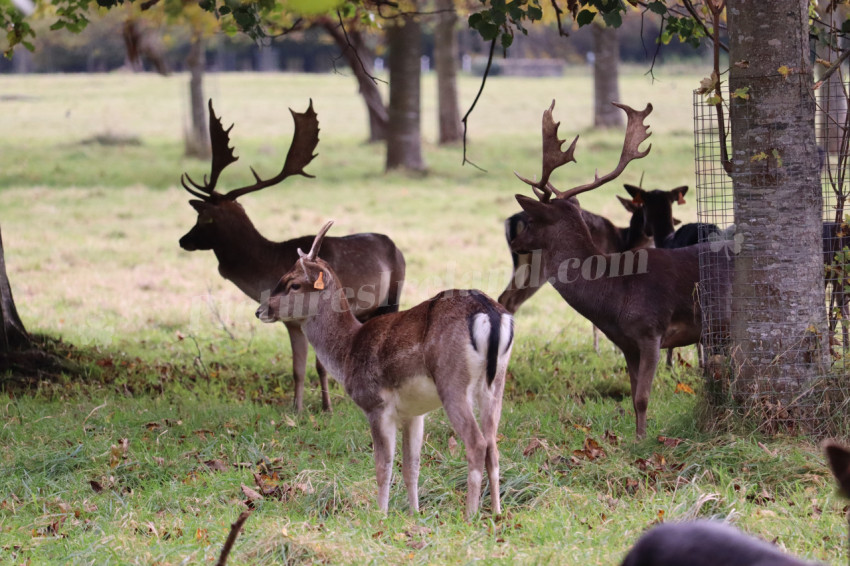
{"x":294,"y":286}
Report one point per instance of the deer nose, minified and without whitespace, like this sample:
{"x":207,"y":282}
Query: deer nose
{"x":259,"y":312}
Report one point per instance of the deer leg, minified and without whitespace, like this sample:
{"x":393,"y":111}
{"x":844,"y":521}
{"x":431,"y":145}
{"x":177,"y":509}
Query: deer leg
{"x":490,"y":411}
{"x":595,"y":339}
{"x":643,"y":384}
{"x":411,"y":447}
{"x":463,"y":422}
{"x":669,"y":357}
{"x":383,"y":445}
{"x":323,"y":383}
{"x":298,"y":342}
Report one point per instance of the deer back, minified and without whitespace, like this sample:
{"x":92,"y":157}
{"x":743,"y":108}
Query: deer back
{"x":430,"y":340}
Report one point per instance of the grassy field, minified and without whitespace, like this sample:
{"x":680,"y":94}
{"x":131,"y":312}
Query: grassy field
{"x":182,"y":396}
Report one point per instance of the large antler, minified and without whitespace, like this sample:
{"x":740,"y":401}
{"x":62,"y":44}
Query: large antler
{"x":553,"y":157}
{"x":636,"y":133}
{"x":304,"y":141}
{"x":222,"y":156}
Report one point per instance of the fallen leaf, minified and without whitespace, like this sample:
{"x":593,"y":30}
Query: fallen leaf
{"x":533,"y":446}
{"x":670,"y":442}
{"x":611,"y":438}
{"x":684,"y":388}
{"x":96,"y":486}
{"x":251,"y":495}
{"x":452,"y":446}
{"x":216,"y":465}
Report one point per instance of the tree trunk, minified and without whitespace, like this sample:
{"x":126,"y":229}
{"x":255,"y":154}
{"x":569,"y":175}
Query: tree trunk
{"x":197,"y":137}
{"x":404,"y":140}
{"x":361,"y":59}
{"x":779,"y":325}
{"x":606,"y":86}
{"x":13,"y":336}
{"x":446,"y":64}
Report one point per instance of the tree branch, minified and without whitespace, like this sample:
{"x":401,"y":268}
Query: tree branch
{"x":231,"y":538}
{"x":474,"y":102}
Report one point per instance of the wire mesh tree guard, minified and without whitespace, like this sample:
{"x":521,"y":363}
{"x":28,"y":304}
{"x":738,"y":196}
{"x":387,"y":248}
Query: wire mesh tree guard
{"x":733,"y":398}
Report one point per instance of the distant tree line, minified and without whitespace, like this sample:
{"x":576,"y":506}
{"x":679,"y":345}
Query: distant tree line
{"x":100,"y":48}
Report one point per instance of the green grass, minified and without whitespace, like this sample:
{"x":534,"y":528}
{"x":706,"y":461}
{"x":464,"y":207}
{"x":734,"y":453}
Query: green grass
{"x":173,"y":360}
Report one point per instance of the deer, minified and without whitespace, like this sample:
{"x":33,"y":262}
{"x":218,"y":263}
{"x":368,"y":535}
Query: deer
{"x":370,"y":265}
{"x":451,"y":350}
{"x":525,"y":278}
{"x":705,"y":542}
{"x":641,"y":300}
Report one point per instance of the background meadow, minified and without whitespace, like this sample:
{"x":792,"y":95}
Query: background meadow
{"x":180,"y":396}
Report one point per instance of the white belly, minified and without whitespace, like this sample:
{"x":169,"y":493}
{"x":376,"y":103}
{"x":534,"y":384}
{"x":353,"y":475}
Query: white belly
{"x":416,"y":396}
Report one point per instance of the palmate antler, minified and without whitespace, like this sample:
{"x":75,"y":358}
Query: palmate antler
{"x":304,"y":142}
{"x":636,"y":133}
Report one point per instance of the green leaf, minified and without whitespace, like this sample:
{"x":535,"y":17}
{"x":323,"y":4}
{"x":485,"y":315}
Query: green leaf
{"x":613,"y":19}
{"x":535,"y":13}
{"x":658,"y":7}
{"x":58,"y":25}
{"x":488,"y":31}
{"x":507,"y":40}
{"x":585,"y":17}
{"x":845,"y":26}
{"x":713,"y":100}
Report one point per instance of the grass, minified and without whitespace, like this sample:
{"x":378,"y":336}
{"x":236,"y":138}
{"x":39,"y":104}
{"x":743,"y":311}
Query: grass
{"x":173,"y":360}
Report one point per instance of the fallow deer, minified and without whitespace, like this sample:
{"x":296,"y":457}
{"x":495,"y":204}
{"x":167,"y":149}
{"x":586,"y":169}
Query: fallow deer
{"x":706,"y":543}
{"x":641,"y":300}
{"x":370,"y":265}
{"x":452,"y":350}
{"x":525,"y":278}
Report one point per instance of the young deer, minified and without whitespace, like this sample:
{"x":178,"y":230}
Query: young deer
{"x":369,"y":264}
{"x":642,"y":300}
{"x":452,"y":350}
{"x":705,"y":543}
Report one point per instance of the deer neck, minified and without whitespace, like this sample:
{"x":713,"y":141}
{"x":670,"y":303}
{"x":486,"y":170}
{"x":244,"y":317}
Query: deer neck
{"x":332,"y":331}
{"x":247,"y":258}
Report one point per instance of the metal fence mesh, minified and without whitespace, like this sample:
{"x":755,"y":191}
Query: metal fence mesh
{"x":821,"y":407}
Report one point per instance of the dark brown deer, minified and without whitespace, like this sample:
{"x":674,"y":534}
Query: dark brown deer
{"x":526,"y":279}
{"x":370,"y":265}
{"x":641,"y":300}
{"x":451,"y":350}
{"x":706,"y":543}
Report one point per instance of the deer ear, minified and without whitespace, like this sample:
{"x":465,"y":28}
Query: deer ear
{"x":199,"y":205}
{"x":532,"y":206}
{"x":636,"y":192}
{"x":676,"y":221}
{"x":678,"y":194}
{"x":629,"y":205}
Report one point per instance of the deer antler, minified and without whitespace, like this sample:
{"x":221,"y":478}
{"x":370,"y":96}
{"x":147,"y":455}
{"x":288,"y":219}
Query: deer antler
{"x":636,"y":133}
{"x":304,"y":142}
{"x":314,"y":250}
{"x":222,"y":156}
{"x":553,"y":157}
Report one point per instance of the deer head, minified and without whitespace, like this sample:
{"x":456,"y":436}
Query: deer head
{"x":550,"y":215}
{"x":658,"y":207}
{"x":220,"y":217}
{"x":296,"y":296}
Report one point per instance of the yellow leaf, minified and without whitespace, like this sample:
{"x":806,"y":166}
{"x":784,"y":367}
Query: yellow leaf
{"x":784,"y":70}
{"x":683,"y":388}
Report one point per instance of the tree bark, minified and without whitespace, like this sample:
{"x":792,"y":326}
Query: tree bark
{"x":606,"y":85}
{"x":446,"y":64}
{"x":197,"y":138}
{"x":361,"y":59}
{"x":404,"y":140}
{"x":779,"y":324}
{"x":13,"y":335}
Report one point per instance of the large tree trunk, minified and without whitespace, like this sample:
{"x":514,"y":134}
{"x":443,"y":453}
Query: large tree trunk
{"x":778,"y":316}
{"x":361,"y":59}
{"x":404,"y":140}
{"x":13,"y":335}
{"x":197,"y":136}
{"x":445,"y":61}
{"x":606,"y":86}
